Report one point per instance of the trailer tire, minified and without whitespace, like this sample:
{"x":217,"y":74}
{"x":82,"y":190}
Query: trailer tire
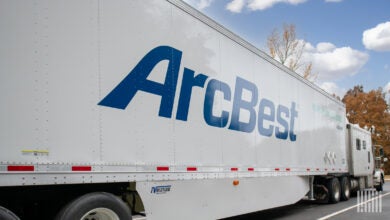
{"x":97,"y":205}
{"x":345,"y":186}
{"x":333,"y":186}
{"x":6,"y":214}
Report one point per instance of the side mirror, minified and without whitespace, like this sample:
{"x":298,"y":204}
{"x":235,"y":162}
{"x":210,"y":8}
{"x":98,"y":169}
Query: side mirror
{"x":381,"y":152}
{"x":385,"y":160}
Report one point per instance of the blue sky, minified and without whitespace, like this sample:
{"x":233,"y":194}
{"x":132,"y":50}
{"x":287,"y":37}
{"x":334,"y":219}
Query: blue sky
{"x":332,"y":29}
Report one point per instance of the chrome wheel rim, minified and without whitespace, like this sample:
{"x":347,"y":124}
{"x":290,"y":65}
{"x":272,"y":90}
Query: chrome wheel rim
{"x":337,"y":191}
{"x":100,"y":214}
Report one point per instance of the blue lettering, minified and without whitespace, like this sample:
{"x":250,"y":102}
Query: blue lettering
{"x":271,"y":119}
{"x":266,"y":104}
{"x":282,"y":110}
{"x":188,"y":82}
{"x":294,"y":114}
{"x":212,"y":120}
{"x":239,"y":104}
{"x":137,"y":80}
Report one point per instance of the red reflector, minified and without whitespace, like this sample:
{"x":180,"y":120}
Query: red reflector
{"x":288,"y":169}
{"x":162,"y":168}
{"x":318,"y":169}
{"x":81,"y":168}
{"x":251,"y":169}
{"x":192,"y":169}
{"x":20,"y":168}
{"x":277,"y":169}
{"x":326,"y":169}
{"x":234,"y":169}
{"x":308,"y":169}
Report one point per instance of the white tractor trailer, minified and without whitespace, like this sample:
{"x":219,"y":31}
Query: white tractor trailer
{"x":134,"y":109}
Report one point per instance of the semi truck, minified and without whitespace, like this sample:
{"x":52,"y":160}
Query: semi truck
{"x":151,"y":110}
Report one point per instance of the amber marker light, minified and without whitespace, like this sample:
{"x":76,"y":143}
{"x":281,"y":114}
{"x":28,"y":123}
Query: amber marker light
{"x":236,"y":182}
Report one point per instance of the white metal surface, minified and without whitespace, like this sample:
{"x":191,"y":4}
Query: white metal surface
{"x":215,"y":199}
{"x":361,"y":157}
{"x":56,"y":68}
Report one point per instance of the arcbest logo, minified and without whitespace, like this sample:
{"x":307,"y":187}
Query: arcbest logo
{"x":268,"y":118}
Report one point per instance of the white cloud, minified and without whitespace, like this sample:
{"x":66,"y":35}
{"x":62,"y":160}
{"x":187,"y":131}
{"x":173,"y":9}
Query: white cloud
{"x":235,"y":6}
{"x":387,"y":88}
{"x":324,"y":47}
{"x":264,"y":4}
{"x":378,"y":38}
{"x":332,"y":63}
{"x":333,"y":88}
{"x":200,"y":4}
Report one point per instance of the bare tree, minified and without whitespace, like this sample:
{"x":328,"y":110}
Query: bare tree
{"x":288,"y":50}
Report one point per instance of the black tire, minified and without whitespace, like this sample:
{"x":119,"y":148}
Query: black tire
{"x":97,"y":203}
{"x":345,"y":187}
{"x":333,"y":186}
{"x":6,"y":214}
{"x":380,"y":187}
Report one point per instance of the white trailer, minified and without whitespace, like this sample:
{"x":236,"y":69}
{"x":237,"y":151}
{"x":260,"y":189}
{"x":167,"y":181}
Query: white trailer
{"x":113,"y":109}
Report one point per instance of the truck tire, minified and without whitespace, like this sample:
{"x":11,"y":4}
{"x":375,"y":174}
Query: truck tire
{"x":345,"y":186}
{"x":6,"y":214}
{"x":333,"y":186}
{"x":97,"y":205}
{"x":380,"y":186}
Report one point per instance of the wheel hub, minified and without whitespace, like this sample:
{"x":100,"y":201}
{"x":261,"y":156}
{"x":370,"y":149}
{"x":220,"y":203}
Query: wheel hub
{"x":100,"y":214}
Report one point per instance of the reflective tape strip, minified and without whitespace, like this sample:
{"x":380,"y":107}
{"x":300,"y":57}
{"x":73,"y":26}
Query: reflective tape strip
{"x":81,"y":168}
{"x":162,"y":168}
{"x":20,"y":168}
{"x":192,"y":169}
{"x":43,"y":168}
